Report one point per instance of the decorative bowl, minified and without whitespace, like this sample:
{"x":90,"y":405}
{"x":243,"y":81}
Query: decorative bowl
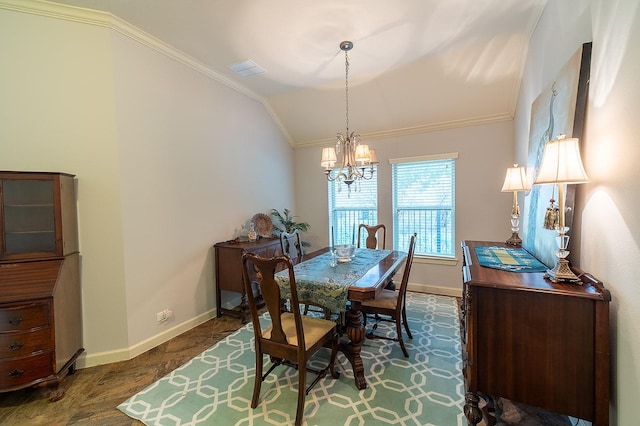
{"x":344,"y":252}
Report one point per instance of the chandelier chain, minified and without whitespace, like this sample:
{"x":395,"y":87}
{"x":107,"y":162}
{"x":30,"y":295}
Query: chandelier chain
{"x":346,"y":85}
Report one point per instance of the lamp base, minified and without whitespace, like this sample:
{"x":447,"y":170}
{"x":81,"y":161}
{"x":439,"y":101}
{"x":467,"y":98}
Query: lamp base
{"x":562,"y":273}
{"x":515,"y":240}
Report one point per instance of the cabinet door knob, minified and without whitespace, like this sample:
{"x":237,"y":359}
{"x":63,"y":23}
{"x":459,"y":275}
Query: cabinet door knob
{"x":15,"y":321}
{"x":16,"y":373}
{"x":16,"y":345}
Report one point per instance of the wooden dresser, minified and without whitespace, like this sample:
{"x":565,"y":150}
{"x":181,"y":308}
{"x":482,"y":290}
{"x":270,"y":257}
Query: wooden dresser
{"x":533,"y":341}
{"x":229,"y":271}
{"x":40,"y":301}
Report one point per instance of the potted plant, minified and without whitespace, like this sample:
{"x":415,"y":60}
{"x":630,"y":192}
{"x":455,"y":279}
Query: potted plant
{"x":286,"y":222}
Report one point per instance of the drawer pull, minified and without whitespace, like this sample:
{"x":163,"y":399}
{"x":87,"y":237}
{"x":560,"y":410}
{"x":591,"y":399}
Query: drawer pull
{"x":15,"y":321}
{"x":16,"y":373}
{"x":16,"y":346}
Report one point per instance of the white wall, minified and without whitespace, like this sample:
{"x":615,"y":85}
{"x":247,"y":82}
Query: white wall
{"x":168,"y":161}
{"x":606,"y":225}
{"x":57,"y":114}
{"x":482,"y":211}
{"x":196,"y":160}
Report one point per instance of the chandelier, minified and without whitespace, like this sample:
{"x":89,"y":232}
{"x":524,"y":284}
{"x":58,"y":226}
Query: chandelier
{"x":357,"y":159}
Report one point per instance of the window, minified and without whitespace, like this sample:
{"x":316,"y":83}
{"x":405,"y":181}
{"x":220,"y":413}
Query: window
{"x":424,"y":202}
{"x":349,"y":207}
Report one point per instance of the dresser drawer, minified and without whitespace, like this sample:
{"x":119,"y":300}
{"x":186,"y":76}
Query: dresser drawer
{"x":24,"y":316}
{"x":19,"y":371}
{"x":13,"y":345}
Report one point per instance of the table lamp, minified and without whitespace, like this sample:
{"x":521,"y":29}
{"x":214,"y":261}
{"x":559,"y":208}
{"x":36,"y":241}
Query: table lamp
{"x":561,"y":164}
{"x":514,"y":181}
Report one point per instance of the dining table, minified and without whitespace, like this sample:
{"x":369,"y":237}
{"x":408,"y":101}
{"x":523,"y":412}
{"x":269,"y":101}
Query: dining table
{"x":337,"y":284}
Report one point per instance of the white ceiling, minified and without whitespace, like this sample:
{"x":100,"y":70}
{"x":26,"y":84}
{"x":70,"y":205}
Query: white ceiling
{"x":415,"y":65}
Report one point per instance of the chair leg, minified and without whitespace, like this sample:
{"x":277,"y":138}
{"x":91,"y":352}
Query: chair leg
{"x":406,"y":323}
{"x":334,"y":354}
{"x":258,"y":379}
{"x":302,"y":375}
{"x":400,"y":340}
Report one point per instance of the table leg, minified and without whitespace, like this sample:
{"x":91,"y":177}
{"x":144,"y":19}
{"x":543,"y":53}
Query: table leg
{"x":355,"y":332}
{"x":471,"y":410}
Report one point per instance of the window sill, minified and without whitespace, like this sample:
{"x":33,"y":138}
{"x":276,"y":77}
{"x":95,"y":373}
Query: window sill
{"x":433,"y":260}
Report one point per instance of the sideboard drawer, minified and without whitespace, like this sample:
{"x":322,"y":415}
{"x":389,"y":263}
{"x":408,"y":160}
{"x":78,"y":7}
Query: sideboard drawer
{"x":24,"y":316}
{"x":13,"y":345}
{"x":19,"y":371}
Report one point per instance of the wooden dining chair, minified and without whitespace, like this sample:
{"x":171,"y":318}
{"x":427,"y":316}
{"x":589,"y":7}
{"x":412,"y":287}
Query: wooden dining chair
{"x":291,"y":245}
{"x":371,"y":242}
{"x":390,"y":305}
{"x":373,"y":236}
{"x":292,"y":338}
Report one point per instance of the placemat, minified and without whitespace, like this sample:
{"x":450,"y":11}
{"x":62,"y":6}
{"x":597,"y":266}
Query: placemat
{"x":512,"y":259}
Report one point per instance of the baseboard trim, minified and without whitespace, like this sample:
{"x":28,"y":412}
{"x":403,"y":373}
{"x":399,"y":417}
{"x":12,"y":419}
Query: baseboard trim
{"x":101,"y":358}
{"x":442,"y":291}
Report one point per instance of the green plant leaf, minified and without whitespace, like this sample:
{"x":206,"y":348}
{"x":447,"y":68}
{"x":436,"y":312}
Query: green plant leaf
{"x":286,"y":222}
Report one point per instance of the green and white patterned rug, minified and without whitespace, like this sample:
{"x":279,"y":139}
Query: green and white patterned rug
{"x":215,"y":388}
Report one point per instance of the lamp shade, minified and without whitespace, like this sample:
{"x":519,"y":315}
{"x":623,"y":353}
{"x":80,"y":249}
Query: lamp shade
{"x":561,"y":162}
{"x":328,"y":158}
{"x":373,"y":156}
{"x":362,"y":154}
{"x":515,"y":179}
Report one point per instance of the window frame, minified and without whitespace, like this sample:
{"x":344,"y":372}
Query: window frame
{"x":424,"y":241}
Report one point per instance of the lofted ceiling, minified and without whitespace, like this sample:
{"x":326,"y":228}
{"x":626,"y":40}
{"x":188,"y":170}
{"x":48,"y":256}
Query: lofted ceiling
{"x":415,"y":65}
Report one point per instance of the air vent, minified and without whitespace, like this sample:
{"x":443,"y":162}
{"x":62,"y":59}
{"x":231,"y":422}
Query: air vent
{"x":247,"y":68}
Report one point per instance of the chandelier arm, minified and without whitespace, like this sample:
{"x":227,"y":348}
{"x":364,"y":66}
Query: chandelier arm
{"x":369,"y":176}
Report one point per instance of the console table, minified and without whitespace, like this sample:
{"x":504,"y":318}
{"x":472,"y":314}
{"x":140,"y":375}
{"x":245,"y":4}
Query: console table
{"x":530,"y":340}
{"x":229,"y":270}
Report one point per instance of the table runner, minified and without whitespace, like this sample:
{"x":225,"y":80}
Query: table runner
{"x":318,"y":282}
{"x":510,"y":259}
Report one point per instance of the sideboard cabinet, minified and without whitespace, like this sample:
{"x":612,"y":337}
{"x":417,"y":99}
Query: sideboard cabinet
{"x":533,"y":341}
{"x":40,"y":300}
{"x":229,"y":271}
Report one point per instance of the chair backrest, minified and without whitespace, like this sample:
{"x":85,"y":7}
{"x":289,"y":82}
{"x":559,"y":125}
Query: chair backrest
{"x":267,"y":267}
{"x":373,"y":236}
{"x":407,"y":270}
{"x":291,"y":245}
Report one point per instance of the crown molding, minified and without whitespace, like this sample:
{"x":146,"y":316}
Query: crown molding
{"x":58,"y":11}
{"x":427,"y":128}
{"x":108,"y":20}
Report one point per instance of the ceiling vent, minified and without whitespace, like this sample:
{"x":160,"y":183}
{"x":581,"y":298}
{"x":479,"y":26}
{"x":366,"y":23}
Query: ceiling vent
{"x":247,"y":68}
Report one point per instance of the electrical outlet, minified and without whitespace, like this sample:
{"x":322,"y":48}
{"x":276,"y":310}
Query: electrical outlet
{"x":162,"y":316}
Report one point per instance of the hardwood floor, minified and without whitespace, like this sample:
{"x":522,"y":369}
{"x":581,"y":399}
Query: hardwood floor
{"x":92,"y":394}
